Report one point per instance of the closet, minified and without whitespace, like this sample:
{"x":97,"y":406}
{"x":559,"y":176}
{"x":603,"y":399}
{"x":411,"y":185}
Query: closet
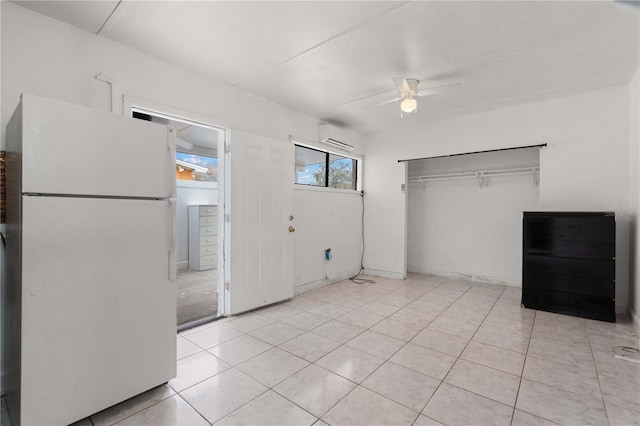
{"x":465,"y":213}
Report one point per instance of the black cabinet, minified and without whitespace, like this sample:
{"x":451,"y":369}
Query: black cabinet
{"x":568,"y":263}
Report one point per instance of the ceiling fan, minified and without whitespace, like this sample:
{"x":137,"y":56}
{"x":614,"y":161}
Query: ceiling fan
{"x":408,"y":92}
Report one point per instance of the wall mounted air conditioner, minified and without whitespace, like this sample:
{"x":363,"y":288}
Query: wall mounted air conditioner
{"x":325,"y":132}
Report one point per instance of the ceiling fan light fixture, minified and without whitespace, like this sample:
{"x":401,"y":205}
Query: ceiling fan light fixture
{"x":408,"y":105}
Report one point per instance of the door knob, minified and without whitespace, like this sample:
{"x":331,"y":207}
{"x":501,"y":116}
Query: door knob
{"x":292,"y":229}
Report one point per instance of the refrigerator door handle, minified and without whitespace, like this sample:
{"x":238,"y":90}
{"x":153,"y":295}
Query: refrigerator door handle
{"x":171,"y":203}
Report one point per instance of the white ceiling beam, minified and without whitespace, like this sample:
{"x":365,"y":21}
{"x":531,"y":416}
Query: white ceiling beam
{"x":117,"y":12}
{"x":323,"y":42}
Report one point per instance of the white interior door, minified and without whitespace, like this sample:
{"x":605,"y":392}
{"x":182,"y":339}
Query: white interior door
{"x":261,"y":200}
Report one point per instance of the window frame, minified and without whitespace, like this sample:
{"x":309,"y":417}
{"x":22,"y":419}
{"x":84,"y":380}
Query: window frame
{"x":327,"y":154}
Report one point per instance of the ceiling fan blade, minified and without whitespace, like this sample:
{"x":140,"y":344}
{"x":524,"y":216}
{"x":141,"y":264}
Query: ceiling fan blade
{"x":406,"y":85}
{"x":439,"y":89}
{"x":386,"y":102}
{"x":378,"y":95}
{"x":401,"y":84}
{"x":630,"y":3}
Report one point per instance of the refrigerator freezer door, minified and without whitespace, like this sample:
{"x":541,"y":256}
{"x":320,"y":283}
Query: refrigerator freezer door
{"x":98,"y":307}
{"x":73,"y":150}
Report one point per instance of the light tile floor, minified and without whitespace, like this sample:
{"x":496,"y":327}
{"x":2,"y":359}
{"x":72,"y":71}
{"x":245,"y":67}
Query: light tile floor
{"x":423,"y":351}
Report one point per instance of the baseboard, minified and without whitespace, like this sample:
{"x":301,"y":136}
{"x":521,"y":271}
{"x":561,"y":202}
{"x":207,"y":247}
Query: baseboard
{"x":471,"y":277}
{"x":634,"y":317}
{"x":314,"y":285}
{"x":182,"y":265}
{"x":305,"y":288}
{"x":384,"y":274}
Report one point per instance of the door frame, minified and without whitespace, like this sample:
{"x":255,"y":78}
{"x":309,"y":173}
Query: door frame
{"x":129,"y":104}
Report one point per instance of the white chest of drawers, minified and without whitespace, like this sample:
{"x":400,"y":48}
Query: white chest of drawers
{"x":203,"y":237}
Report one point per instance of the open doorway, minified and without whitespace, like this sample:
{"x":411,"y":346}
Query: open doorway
{"x":199,"y":207}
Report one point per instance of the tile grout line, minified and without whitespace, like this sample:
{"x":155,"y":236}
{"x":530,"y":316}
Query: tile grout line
{"x":350,"y":309}
{"x":240,"y":371}
{"x":281,"y":320}
{"x":573,"y":392}
{"x":194,"y":408}
{"x":424,"y":328}
{"x":273,"y":346}
{"x":268,"y":388}
{"x":552,"y":386}
{"x":284,"y":379}
{"x":524,"y":364}
{"x":461,"y":352}
{"x":595,"y":366}
{"x":139,"y":411}
{"x":345,"y":344}
{"x":314,"y":363}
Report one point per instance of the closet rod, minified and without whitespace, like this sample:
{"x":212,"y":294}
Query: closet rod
{"x":475,"y":152}
{"x":472,"y":174}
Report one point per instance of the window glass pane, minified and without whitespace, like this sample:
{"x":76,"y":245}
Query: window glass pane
{"x":196,"y":167}
{"x":310,"y":166}
{"x":342,"y":172}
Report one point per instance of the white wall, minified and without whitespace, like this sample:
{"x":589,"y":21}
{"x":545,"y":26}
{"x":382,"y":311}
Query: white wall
{"x":634,"y":196}
{"x":188,"y":194}
{"x":321,"y":223}
{"x":585,"y":166}
{"x":49,"y":58}
{"x":457,"y":228}
{"x":52,"y":59}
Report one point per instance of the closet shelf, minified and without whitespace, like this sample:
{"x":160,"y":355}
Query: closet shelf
{"x":482,"y":176}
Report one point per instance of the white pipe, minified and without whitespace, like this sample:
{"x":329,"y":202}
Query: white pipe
{"x":113,"y":88}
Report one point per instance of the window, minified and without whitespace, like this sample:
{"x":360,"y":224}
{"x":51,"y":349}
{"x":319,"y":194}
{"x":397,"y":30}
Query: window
{"x":320,"y":168}
{"x":196,"y":167}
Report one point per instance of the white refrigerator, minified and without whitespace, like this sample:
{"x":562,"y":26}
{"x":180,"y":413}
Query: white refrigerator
{"x":89,"y":292}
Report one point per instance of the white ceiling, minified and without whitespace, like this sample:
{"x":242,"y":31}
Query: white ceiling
{"x":323,"y":58}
